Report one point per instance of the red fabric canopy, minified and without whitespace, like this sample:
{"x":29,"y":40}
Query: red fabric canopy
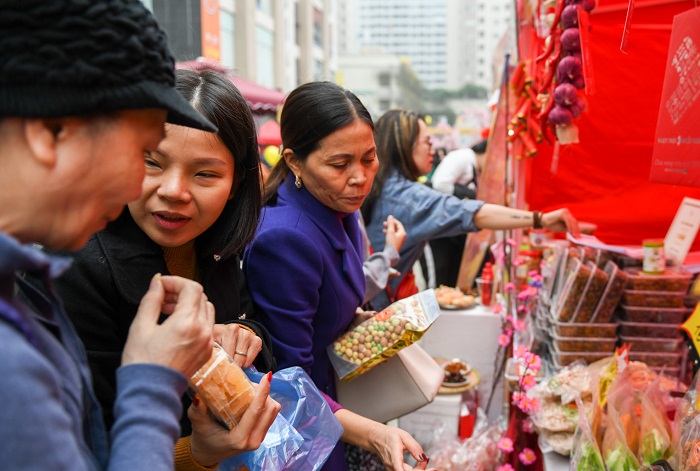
{"x":259,"y":98}
{"x":269,"y":134}
{"x":605,"y":178}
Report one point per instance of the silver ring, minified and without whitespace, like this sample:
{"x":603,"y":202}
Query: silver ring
{"x":241,"y":353}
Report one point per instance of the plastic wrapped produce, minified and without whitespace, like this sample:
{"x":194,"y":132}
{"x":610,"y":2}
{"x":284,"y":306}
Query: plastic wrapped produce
{"x":617,"y":280}
{"x":585,"y":455}
{"x":382,"y":336}
{"x":688,"y":424}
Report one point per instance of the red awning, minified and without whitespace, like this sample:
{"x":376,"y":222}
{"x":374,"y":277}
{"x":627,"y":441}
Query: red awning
{"x":269,"y":134}
{"x":258,"y":97}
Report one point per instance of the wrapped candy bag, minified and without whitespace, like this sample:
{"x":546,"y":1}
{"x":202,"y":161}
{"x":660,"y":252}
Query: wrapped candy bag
{"x":382,"y":336}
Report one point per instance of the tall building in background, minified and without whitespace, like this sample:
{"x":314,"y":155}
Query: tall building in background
{"x":274,"y":43}
{"x":449,"y":42}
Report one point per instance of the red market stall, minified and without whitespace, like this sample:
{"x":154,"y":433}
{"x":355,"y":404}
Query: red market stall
{"x":604,"y":178}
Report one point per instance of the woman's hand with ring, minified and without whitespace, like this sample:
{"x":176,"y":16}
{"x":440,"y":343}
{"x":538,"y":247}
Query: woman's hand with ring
{"x":241,"y":344}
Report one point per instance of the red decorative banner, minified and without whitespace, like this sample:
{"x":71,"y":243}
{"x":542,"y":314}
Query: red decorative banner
{"x":676,"y":156}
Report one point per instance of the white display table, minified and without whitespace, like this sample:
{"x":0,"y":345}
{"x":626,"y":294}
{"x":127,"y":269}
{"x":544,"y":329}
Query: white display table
{"x":472,"y":336}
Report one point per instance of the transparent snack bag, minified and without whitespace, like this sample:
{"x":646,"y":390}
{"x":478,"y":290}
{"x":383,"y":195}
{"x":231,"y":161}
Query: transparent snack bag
{"x":224,"y":387}
{"x":382,"y":336}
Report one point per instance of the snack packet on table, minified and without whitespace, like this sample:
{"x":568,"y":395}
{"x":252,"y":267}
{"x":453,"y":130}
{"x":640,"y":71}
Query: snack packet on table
{"x":382,"y":336}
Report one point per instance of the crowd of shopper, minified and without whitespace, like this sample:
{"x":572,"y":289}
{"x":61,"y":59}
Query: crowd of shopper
{"x":136,"y":230}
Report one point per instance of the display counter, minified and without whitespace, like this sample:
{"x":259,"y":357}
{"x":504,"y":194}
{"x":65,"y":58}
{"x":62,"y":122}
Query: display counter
{"x":472,"y":336}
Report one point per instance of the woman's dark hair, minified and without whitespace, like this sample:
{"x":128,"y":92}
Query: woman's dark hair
{"x":217,"y":99}
{"x":310,"y":113}
{"x":395,"y":135}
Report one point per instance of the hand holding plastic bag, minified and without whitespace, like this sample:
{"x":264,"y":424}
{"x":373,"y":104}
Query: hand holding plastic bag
{"x":304,"y":432}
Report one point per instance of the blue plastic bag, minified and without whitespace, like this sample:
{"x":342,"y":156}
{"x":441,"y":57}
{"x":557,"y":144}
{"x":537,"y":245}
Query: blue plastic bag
{"x":304,"y":433}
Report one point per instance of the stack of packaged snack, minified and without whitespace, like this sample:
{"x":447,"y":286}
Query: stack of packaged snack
{"x":593,"y":301}
{"x":649,"y":316}
{"x":582,"y":292}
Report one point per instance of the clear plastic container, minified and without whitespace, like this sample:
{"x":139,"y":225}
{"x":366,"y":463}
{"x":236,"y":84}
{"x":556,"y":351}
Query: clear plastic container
{"x":603,"y":258}
{"x":589,"y":254}
{"x":591,"y":294}
{"x":560,"y":359}
{"x":672,"y":360}
{"x":577,"y":275}
{"x":224,"y":388}
{"x":652,"y":344}
{"x":617,"y":280}
{"x":671,"y":372}
{"x":563,"y":272}
{"x":589,"y":329}
{"x":653,"y":298}
{"x":584,"y":344}
{"x":648,"y":329}
{"x":662,"y":315}
{"x":670,"y":280}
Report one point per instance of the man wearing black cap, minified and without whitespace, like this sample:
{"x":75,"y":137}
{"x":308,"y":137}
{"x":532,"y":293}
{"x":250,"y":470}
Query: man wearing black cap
{"x":85,"y":89}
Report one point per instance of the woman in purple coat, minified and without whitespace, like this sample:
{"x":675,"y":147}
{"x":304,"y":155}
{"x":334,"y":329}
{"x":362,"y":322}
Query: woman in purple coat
{"x":304,"y":267}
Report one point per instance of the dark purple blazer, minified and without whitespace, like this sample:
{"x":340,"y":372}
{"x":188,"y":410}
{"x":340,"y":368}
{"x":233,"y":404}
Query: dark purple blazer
{"x":304,"y":272}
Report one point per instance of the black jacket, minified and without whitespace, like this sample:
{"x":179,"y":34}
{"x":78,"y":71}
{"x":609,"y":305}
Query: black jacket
{"x":102,"y":291}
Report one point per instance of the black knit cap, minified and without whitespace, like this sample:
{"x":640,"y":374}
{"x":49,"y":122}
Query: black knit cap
{"x":81,"y":57}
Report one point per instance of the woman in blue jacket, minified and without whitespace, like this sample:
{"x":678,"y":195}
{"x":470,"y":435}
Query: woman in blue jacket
{"x":406,"y":148}
{"x":304,"y":266}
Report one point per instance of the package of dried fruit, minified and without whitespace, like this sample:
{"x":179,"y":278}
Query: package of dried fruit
{"x":591,"y":294}
{"x":662,"y":315}
{"x":224,"y":388}
{"x":588,"y":329}
{"x":382,"y":336}
{"x":648,"y":298}
{"x":670,"y":280}
{"x":617,"y":279}
{"x":577,"y":275}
